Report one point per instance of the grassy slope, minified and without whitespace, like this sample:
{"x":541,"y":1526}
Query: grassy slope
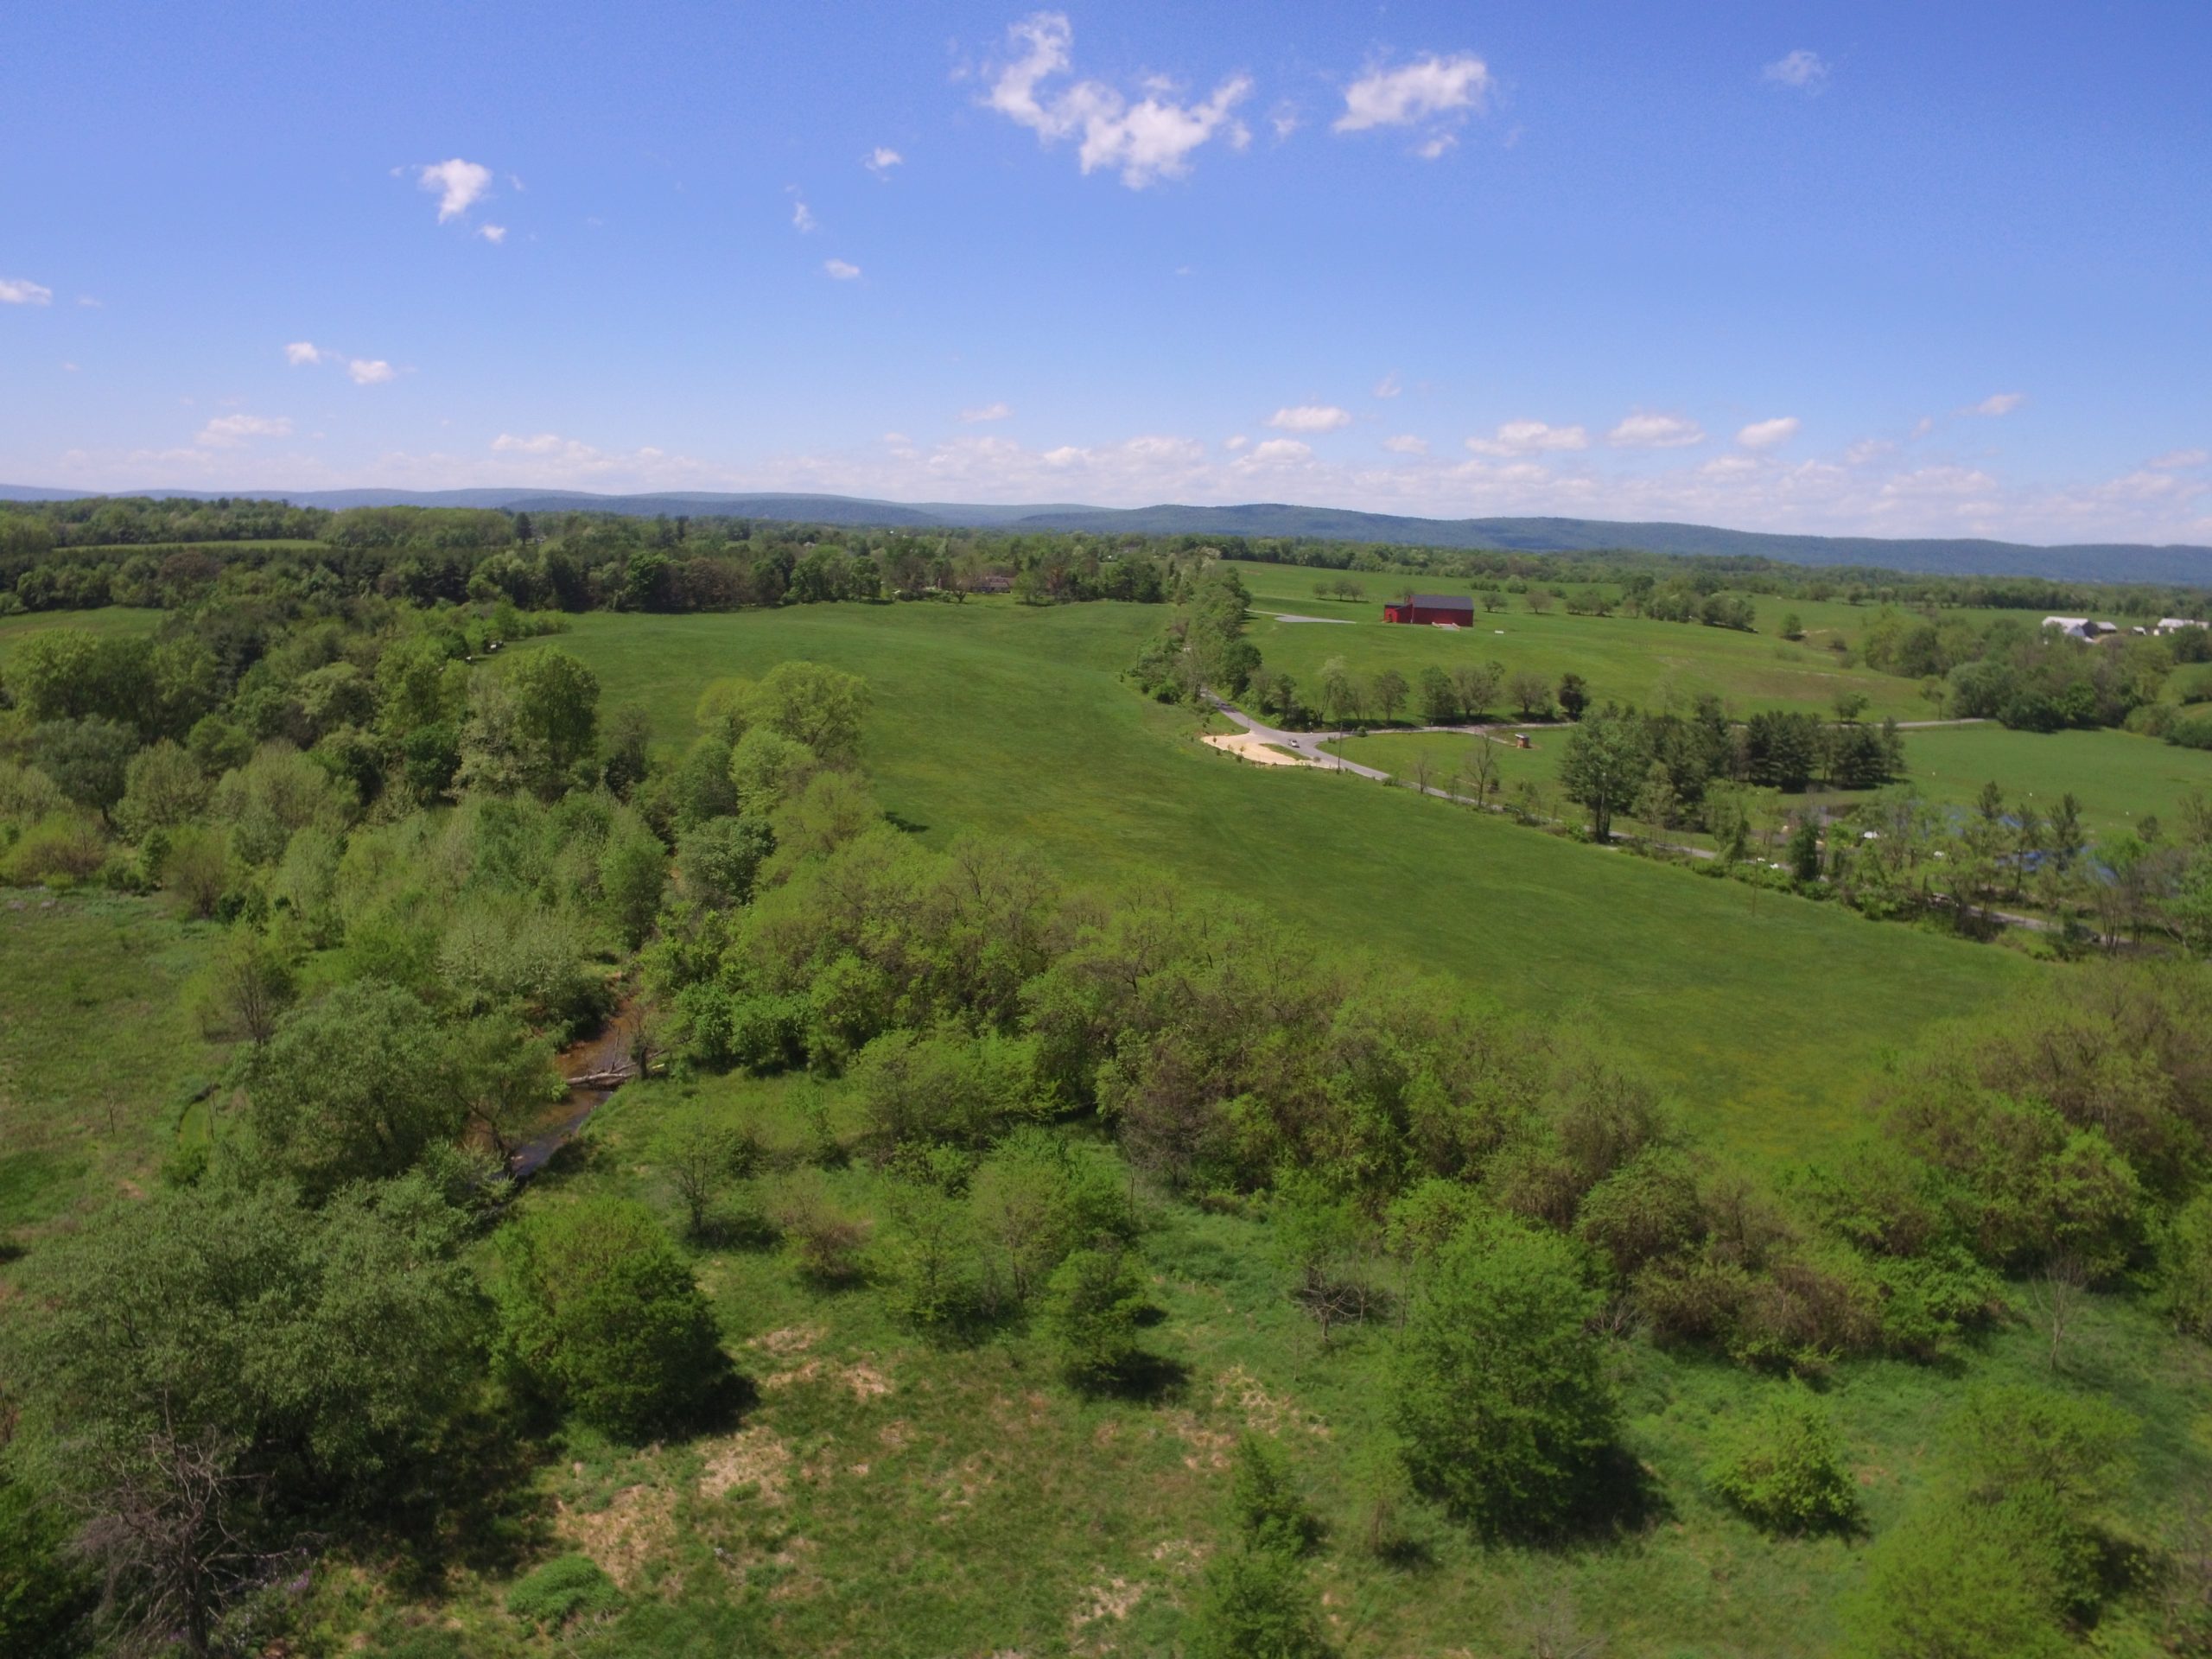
{"x":1013,"y":721}
{"x":111,"y":619}
{"x":1627,"y":658}
{"x":934,"y":1500}
{"x":98,"y":1055}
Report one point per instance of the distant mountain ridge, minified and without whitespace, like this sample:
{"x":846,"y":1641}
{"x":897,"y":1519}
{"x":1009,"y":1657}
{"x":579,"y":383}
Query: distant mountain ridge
{"x":2187,"y":565}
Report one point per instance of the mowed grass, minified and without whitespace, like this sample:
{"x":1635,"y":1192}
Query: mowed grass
{"x":2119,"y":778}
{"x":98,"y":1056}
{"x":1624,"y":658}
{"x":890,"y":1494}
{"x":1766,"y":1023}
{"x":108,"y":620}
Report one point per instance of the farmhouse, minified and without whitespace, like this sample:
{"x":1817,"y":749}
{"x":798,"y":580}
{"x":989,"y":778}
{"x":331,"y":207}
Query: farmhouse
{"x":2078,"y":627}
{"x":1431,"y":608}
{"x":2176,"y":624}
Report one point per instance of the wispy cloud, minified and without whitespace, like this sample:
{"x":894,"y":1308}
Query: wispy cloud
{"x":1310,"y":417}
{"x":881,"y":160}
{"x":1529,"y":438}
{"x":839,"y":270}
{"x":459,"y":185}
{"x":494,"y":234}
{"x":1438,"y":92}
{"x":1406,"y":444}
{"x":1801,"y":70}
{"x":1149,"y":140}
{"x":19,"y":290}
{"x":2175,"y":458}
{"x":1387,"y":386}
{"x":369,"y":370}
{"x":803,"y":219}
{"x":1642,"y":431}
{"x":228,"y":431}
{"x":987,"y":412}
{"x":1765,"y":434}
{"x":2002,"y":402}
{"x":300,"y":352}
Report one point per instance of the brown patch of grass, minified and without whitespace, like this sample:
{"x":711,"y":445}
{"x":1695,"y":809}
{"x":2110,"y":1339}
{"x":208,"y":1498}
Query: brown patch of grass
{"x":752,"y":1457}
{"x":639,"y":1523}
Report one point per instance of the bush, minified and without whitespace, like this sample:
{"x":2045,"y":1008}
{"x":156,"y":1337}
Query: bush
{"x":1499,"y":1391}
{"x":1959,"y":1581}
{"x":2185,"y":1267}
{"x":42,"y":1591}
{"x":603,"y":1312}
{"x":1267,"y":1507}
{"x":566,"y":1587}
{"x":1785,"y":1470}
{"x":1255,"y":1604}
{"x":1092,"y":1303}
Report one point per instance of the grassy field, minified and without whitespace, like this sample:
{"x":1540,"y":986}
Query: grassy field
{"x":2118,"y":777}
{"x":98,"y":1056}
{"x":1627,"y":659}
{"x":109,"y":618}
{"x":1016,"y":721}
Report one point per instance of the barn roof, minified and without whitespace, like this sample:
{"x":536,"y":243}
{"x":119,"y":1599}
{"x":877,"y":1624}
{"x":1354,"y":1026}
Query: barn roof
{"x":1444,"y":603}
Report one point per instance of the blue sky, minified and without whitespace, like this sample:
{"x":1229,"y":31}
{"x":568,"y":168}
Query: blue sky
{"x":1887,"y":269}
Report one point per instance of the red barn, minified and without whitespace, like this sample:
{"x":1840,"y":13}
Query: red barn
{"x":1431,"y":608}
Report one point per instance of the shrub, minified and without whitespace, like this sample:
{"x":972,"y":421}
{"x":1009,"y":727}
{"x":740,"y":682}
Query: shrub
{"x":2185,"y":1267}
{"x":826,"y":1239}
{"x":1499,"y":1391}
{"x":1255,"y":1604}
{"x":566,"y":1587}
{"x":1263,"y":1503}
{"x":604,"y":1313}
{"x":1092,"y":1307}
{"x":1785,"y":1470}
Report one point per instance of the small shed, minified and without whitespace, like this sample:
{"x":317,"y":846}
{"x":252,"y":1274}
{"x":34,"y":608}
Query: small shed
{"x":1431,"y":608}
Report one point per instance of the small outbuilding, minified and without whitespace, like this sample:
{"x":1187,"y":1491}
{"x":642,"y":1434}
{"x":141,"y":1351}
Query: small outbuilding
{"x":1431,"y":608}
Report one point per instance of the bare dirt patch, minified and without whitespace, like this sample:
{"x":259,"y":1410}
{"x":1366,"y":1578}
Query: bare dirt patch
{"x":1266,"y":1411}
{"x":1116,"y":1598}
{"x":622,"y":1537}
{"x":752,"y":1457}
{"x":1246,"y":747}
{"x":1209,"y":1447}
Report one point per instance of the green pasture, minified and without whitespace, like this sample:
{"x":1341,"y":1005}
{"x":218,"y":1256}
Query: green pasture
{"x":1624,"y":658}
{"x":1766,"y":1023}
{"x":98,"y":1056}
{"x":108,"y":620}
{"x":2119,"y":778}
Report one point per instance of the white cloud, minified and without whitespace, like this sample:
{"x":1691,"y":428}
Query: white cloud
{"x":1765,"y":434}
{"x":2002,"y":403}
{"x":1406,"y":444}
{"x":987,"y":412}
{"x":839,"y":270}
{"x":1867,"y":449}
{"x":88,"y":300}
{"x":1236,"y":443}
{"x":302,"y":352}
{"x":1387,"y":386}
{"x":226,"y":431}
{"x":1309,"y":417}
{"x":21,"y":291}
{"x":460,"y":185}
{"x":1529,"y":438}
{"x":494,"y":234}
{"x":369,"y":370}
{"x":803,"y":219}
{"x":1285,"y":119}
{"x":2181,"y":458}
{"x":1923,"y":426}
{"x":881,"y":160}
{"x":1148,"y":141}
{"x":1433,"y":91}
{"x":1802,"y":70}
{"x":1642,"y":431}
{"x":69,"y":368}
{"x":1273,"y":453}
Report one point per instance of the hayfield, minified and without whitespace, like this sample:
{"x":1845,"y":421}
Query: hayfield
{"x":1766,"y":1023}
{"x":1626,"y":659}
